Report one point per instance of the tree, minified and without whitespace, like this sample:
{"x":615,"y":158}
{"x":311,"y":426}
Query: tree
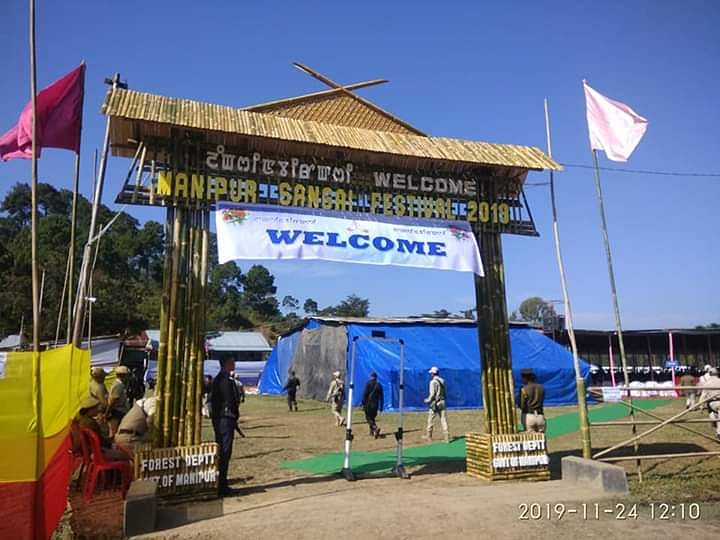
{"x":225,"y":298}
{"x":128,"y":274}
{"x":352,"y":306}
{"x":290,"y":302}
{"x":310,"y":306}
{"x":532,"y":309}
{"x":259,"y":292}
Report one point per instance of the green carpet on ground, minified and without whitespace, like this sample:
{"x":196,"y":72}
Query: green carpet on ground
{"x":383,"y":461}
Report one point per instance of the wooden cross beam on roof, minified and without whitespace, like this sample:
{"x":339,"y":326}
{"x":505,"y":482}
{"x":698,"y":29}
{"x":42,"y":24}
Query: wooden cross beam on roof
{"x":347,"y":89}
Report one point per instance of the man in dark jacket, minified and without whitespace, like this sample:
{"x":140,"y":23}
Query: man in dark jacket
{"x":293,"y":383}
{"x":372,"y":401}
{"x":532,"y":398}
{"x":224,"y":410}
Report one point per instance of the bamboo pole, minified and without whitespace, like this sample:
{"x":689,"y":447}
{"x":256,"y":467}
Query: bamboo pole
{"x":187,"y":330}
{"x":192,"y":409}
{"x":649,"y":422}
{"x":73,"y":223}
{"x":62,"y":302}
{"x":33,"y":190}
{"x":203,"y":317}
{"x":37,"y":379}
{"x":613,"y":291}
{"x":71,"y":247}
{"x":661,"y":456}
{"x":160,"y":440}
{"x":585,"y":440}
{"x":171,"y":333}
{"x":644,"y":434}
{"x":678,"y":425}
{"x":87,"y":253}
{"x":181,"y":361}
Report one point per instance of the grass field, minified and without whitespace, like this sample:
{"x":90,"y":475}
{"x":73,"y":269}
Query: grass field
{"x":277,"y":440}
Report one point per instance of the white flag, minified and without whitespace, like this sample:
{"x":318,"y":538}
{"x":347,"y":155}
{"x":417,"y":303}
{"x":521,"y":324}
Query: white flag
{"x":614,"y":127}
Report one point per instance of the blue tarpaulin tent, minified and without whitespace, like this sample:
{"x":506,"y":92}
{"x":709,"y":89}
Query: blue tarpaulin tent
{"x":322,"y":345}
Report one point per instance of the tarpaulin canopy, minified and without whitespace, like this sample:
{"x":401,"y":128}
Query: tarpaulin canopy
{"x":318,"y":348}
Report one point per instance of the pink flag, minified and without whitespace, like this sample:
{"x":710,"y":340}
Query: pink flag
{"x":59,"y":116}
{"x":614,"y":127}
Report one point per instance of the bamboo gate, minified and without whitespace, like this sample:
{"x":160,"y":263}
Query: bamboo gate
{"x":330,"y":151}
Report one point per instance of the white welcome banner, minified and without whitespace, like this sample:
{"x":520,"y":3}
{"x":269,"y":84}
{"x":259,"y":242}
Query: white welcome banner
{"x":245,"y":232}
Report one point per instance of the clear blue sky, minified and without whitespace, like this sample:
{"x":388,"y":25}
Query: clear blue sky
{"x":475,"y":70}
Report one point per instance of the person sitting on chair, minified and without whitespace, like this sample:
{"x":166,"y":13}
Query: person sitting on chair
{"x":86,"y":419}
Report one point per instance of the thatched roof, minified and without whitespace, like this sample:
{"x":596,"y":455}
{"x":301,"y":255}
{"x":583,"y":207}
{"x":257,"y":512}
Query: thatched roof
{"x":160,"y":113}
{"x":338,"y":108}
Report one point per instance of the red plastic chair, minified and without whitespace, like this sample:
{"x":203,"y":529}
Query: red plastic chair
{"x":80,"y":452}
{"x":99,"y":465}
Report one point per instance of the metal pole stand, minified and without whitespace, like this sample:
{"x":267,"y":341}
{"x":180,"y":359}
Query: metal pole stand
{"x":399,"y":468}
{"x":347,"y":467}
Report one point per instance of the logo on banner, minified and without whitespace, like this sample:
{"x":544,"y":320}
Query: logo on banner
{"x":234,"y":215}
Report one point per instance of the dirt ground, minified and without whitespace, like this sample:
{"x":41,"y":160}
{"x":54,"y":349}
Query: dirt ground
{"x":440,"y":499}
{"x":433,"y":505}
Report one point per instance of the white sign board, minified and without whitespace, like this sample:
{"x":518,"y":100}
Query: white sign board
{"x":612,"y":394}
{"x":245,"y":232}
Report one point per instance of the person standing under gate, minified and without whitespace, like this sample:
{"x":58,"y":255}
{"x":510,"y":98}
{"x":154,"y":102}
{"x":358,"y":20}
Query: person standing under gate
{"x":336,"y":397}
{"x":372,"y":401}
{"x":532,"y":399}
{"x":436,"y":400}
{"x":293,"y":383}
{"x":711,"y":391}
{"x":224,"y":411}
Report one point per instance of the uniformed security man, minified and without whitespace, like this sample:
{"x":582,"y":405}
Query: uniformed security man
{"x":224,"y":410}
{"x":135,"y":429}
{"x":118,"y":405}
{"x":97,"y":387}
{"x":293,"y":383}
{"x":532,"y":398}
{"x":372,"y":401}
{"x":336,"y":397}
{"x":436,"y":401}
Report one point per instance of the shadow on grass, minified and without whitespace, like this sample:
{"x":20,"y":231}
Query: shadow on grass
{"x":261,"y":454}
{"x":261,"y":426}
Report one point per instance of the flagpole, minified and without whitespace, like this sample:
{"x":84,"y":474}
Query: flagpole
{"x":87,"y":253}
{"x":613,"y":291}
{"x":37,"y":394}
{"x":73,"y":220}
{"x":33,"y":186}
{"x":579,"y":381}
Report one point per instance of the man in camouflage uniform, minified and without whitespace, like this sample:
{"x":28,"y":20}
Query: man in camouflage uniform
{"x":336,"y":397}
{"x":438,"y":407}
